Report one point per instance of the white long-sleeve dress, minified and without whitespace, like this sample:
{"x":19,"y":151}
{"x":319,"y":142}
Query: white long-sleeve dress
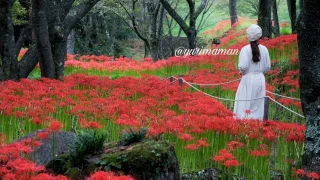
{"x":252,"y":84}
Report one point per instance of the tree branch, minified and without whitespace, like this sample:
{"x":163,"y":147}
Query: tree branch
{"x":28,"y":62}
{"x":25,"y":32}
{"x":66,"y":5}
{"x":201,"y":8}
{"x":175,"y":16}
{"x":133,"y":19}
{"x":129,"y":15}
{"x":76,"y":14}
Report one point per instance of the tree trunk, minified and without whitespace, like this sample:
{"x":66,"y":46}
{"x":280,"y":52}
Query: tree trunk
{"x":51,"y":26}
{"x":301,"y":4}
{"x":146,"y":50}
{"x":70,"y":43}
{"x":40,"y":30}
{"x":264,"y":17}
{"x":276,"y":29}
{"x":192,"y":34}
{"x":191,"y":30}
{"x":309,"y":62}
{"x":154,"y":36}
{"x":293,"y":15}
{"x":192,"y":39}
{"x":160,"y":32}
{"x":28,"y":62}
{"x":8,"y":64}
{"x":170,"y":38}
{"x":233,"y":11}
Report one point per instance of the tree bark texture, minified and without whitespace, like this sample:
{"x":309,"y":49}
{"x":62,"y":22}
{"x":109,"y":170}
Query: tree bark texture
{"x":70,"y":43}
{"x":233,"y":11}
{"x":51,"y":23}
{"x":40,"y":30}
{"x":309,"y":62}
{"x":264,"y":17}
{"x":276,"y":28}
{"x":8,"y":67}
{"x":292,"y":7}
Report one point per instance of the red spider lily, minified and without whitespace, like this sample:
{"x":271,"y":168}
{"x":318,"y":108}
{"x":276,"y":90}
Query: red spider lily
{"x":44,"y":176}
{"x":225,"y":158}
{"x":248,"y":111}
{"x":101,"y":175}
{"x":231,"y":163}
{"x":223,"y":155}
{"x":186,"y":137}
{"x":42,"y":135}
{"x":233,"y":145}
{"x":202,"y":143}
{"x":55,"y":126}
{"x":259,"y":153}
{"x":192,"y":147}
{"x":300,"y":172}
{"x":313,"y":175}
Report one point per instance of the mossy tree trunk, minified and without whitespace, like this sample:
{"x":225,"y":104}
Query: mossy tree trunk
{"x":309,"y":62}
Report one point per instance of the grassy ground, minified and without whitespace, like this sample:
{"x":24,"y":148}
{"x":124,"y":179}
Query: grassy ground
{"x":220,"y":12}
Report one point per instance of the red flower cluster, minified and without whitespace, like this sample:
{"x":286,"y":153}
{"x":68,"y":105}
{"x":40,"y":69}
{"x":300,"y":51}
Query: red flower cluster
{"x":312,"y":175}
{"x":14,"y":165}
{"x":101,"y":175}
{"x":226,"y":158}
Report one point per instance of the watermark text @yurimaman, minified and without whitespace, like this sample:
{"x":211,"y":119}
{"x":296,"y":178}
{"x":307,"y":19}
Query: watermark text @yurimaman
{"x":185,"y":52}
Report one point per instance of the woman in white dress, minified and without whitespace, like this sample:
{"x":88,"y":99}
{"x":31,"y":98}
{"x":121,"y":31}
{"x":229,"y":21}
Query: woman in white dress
{"x":254,"y":61}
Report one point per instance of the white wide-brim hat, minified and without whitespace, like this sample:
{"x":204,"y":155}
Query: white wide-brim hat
{"x":254,"y":32}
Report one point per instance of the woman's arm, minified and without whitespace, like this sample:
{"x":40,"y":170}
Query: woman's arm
{"x":268,"y":63}
{"x":243,"y":61}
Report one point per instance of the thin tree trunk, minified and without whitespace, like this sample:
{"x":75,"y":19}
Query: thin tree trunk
{"x":309,"y":63}
{"x":275,"y":19}
{"x":233,"y":11}
{"x":70,"y":43}
{"x":180,"y":29}
{"x":191,"y":30}
{"x":160,"y":32}
{"x":170,"y":39}
{"x":292,"y":8}
{"x":264,"y":17}
{"x":154,"y":38}
{"x":146,"y":50}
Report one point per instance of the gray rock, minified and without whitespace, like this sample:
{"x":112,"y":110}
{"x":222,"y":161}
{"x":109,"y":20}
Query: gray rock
{"x":207,"y":174}
{"x":55,"y":145}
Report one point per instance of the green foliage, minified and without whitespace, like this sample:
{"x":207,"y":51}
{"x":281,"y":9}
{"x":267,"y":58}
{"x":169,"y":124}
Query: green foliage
{"x":86,"y":142}
{"x":103,"y":33}
{"x":19,"y":13}
{"x":133,"y":136}
{"x":285,"y":30}
{"x":142,"y":160}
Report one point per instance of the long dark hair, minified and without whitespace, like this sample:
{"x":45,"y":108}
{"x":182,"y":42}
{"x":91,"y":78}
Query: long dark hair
{"x":255,"y":51}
